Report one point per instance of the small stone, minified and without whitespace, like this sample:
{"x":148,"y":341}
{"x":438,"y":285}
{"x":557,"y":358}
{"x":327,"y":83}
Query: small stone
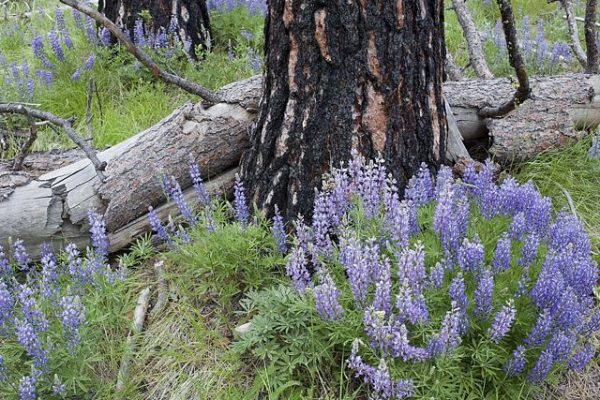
{"x":242,"y":329}
{"x":594,"y":152}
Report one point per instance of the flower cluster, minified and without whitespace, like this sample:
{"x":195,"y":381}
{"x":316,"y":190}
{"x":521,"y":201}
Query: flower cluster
{"x":391,"y":280}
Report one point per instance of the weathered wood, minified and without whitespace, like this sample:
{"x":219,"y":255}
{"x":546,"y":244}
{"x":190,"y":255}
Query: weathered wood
{"x":52,"y":207}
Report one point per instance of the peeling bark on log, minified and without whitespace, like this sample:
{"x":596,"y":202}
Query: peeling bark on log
{"x":53,"y":207}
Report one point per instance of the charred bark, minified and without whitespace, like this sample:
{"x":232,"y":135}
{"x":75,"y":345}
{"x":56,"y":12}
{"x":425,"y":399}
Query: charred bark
{"x":193,"y":23}
{"x":357,"y":74}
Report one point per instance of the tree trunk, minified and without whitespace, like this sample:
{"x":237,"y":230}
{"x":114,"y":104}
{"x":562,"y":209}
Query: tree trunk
{"x":341,"y":75}
{"x":193,"y":24}
{"x":51,"y":206}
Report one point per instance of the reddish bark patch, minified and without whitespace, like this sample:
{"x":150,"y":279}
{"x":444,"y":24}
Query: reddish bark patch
{"x":321,"y":34}
{"x":376,"y":118}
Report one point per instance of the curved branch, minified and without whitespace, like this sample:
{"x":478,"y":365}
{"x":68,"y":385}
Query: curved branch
{"x":142,"y":57}
{"x":574,"y":33}
{"x":516,"y":61}
{"x":65,"y":124}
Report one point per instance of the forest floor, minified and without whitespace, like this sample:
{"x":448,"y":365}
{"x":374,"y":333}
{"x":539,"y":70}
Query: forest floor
{"x":189,"y":350}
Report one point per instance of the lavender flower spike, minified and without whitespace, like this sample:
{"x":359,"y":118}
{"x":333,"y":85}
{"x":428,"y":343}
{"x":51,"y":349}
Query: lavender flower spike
{"x":278,"y":230}
{"x":326,"y":299}
{"x":242,"y":214}
{"x":27,"y":390}
{"x":503,"y":322}
{"x":198,"y":184}
{"x":296,"y":270}
{"x":158,"y":227}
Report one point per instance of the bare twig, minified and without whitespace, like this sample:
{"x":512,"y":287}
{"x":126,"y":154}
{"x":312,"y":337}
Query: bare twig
{"x":65,"y":124}
{"x":88,"y":112}
{"x":590,"y":37}
{"x":516,"y":61}
{"x":139,"y":315}
{"x":473,"y":40}
{"x":573,"y":31}
{"x":142,"y":57}
{"x":162,"y":289}
{"x":18,"y":161}
{"x":452,"y":70}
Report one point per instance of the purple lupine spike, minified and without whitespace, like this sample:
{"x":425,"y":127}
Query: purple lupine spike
{"x":436,"y":275}
{"x":326,"y":296}
{"x":470,"y":255}
{"x":138,"y":33}
{"x":30,"y":309}
{"x":90,"y":30}
{"x":541,"y":330}
{"x":2,"y":368}
{"x":21,"y":255}
{"x":58,"y":388}
{"x":37,"y":45}
{"x":157,"y":226}
{"x":411,"y":266}
{"x":443,"y":178}
{"x":524,"y":283}
{"x":503,"y":322}
{"x":397,"y":217}
{"x":278,"y":231}
{"x":357,"y":268}
{"x":321,"y":225}
{"x":77,"y":75}
{"x":541,"y":45}
{"x":173,"y":25}
{"x":530,"y":250}
{"x":582,"y":357}
{"x":448,"y":338}
{"x":570,"y":311}
{"x":161,"y":40}
{"x":502,"y":256}
{"x":484,"y":293}
{"x":89,"y":62}
{"x":518,"y":226}
{"x":28,"y":337}
{"x":7,"y":303}
{"x":296,"y":270}
{"x":401,"y":348}
{"x":526,"y":37}
{"x":550,"y":284}
{"x":458,"y":293}
{"x":242,"y":214}
{"x":16,"y":76}
{"x":516,"y":364}
{"x":5,"y":267}
{"x":49,"y":277}
{"x":198,"y":184}
{"x":27,"y":388}
{"x":420,"y":188}
{"x":72,"y":317}
{"x":378,"y":330}
{"x":371,"y":184}
{"x":60,"y":18}
{"x":561,"y":345}
{"x":383,"y":288}
{"x":98,"y":234}
{"x":55,"y":44}
{"x":542,"y":368}
{"x":176,"y":195}
{"x":77,"y":18}
{"x":105,"y":37}
{"x":46,"y":76}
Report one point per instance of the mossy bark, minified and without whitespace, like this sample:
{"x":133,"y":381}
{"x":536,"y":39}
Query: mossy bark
{"x":341,"y":75}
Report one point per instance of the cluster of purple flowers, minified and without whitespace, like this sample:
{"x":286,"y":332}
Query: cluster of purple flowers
{"x":562,"y":292}
{"x":56,"y":291}
{"x":254,"y":6}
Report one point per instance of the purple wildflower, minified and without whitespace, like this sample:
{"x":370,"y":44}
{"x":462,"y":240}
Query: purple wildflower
{"x":378,"y":329}
{"x":138,"y":33}
{"x":242,"y":214}
{"x":7,"y":303}
{"x":449,"y":337}
{"x":55,"y":44}
{"x":530,"y":250}
{"x":541,"y":330}
{"x":383,"y":288}
{"x":21,"y":255}
{"x":326,"y":299}
{"x":105,"y":37}
{"x":198,"y":184}
{"x":398,"y":217}
{"x":518,"y":226}
{"x":516,"y":364}
{"x":98,"y":234}
{"x":546,"y":292}
{"x":436,"y":275}
{"x":582,"y":357}
{"x":27,"y":390}
{"x":175,"y":194}
{"x":502,"y":257}
{"x":321,"y":224}
{"x":28,"y":337}
{"x":358,"y":268}
{"x":484,"y":293}
{"x":503,"y":322}
{"x":77,"y":18}
{"x":561,"y":345}
{"x":89,"y":63}
{"x":49,"y":276}
{"x":5,"y":268}
{"x":72,"y":317}
{"x":470,"y":255}
{"x":37,"y":45}
{"x":77,"y":74}
{"x":296,"y":270}
{"x":542,"y":367}
{"x":420,"y":188}
{"x":90,"y":30}
{"x":278,"y":231}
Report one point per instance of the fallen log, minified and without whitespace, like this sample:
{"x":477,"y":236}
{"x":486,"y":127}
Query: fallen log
{"x":53,"y":207}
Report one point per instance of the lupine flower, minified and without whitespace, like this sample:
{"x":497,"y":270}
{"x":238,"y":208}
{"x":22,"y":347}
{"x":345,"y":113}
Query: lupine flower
{"x":502,"y":256}
{"x":420,"y":188}
{"x":546,"y":292}
{"x":541,"y":330}
{"x":90,"y":30}
{"x":2,"y":370}
{"x":518,"y":226}
{"x":530,"y":250}
{"x":542,"y":367}
{"x":175,"y":194}
{"x":198,"y":184}
{"x":582,"y":357}
{"x":27,"y":388}
{"x":458,"y":293}
{"x":449,"y":337}
{"x":278,"y":231}
{"x":371,"y":184}
{"x":516,"y":364}
{"x":561,"y":345}
{"x":55,"y":44}
{"x":72,"y":317}
{"x":5,"y":268}
{"x":7,"y":303}
{"x":98,"y":234}
{"x":89,"y":63}
{"x":470,"y":255}
{"x":383,"y":287}
{"x":398,"y":217}
{"x":28,"y":337}
{"x":77,"y":74}
{"x":321,"y":223}
{"x":49,"y":276}
{"x":37,"y":45}
{"x":436,"y":275}
{"x":58,"y":388}
{"x":30,"y":308}
{"x":77,"y":18}
{"x":357,"y":266}
{"x":21,"y":255}
{"x":296,"y":270}
{"x":401,"y":348}
{"x":326,"y":299}
{"x":503,"y":322}
{"x":45,"y":76}
{"x":378,"y":329}
{"x":79,"y":271}
{"x":105,"y":37}
{"x":484,"y":293}
{"x":242,"y":214}
{"x":138,"y":33}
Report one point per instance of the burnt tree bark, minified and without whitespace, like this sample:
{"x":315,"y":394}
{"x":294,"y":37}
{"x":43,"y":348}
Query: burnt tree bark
{"x":355,"y":74}
{"x":192,"y":17}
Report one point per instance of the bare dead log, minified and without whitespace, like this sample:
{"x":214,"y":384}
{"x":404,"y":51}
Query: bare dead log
{"x":516,"y":61}
{"x":65,"y":124}
{"x":142,"y":57}
{"x":478,"y":62}
{"x":53,"y":207}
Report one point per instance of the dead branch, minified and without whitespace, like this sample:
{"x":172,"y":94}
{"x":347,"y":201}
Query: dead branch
{"x":473,"y":40}
{"x":516,"y":61}
{"x":161,"y":289}
{"x":139,"y":315}
{"x":590,"y":37}
{"x":573,"y":32}
{"x":142,"y":57}
{"x":18,"y":161}
{"x":65,"y":124}
{"x":453,"y":71}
